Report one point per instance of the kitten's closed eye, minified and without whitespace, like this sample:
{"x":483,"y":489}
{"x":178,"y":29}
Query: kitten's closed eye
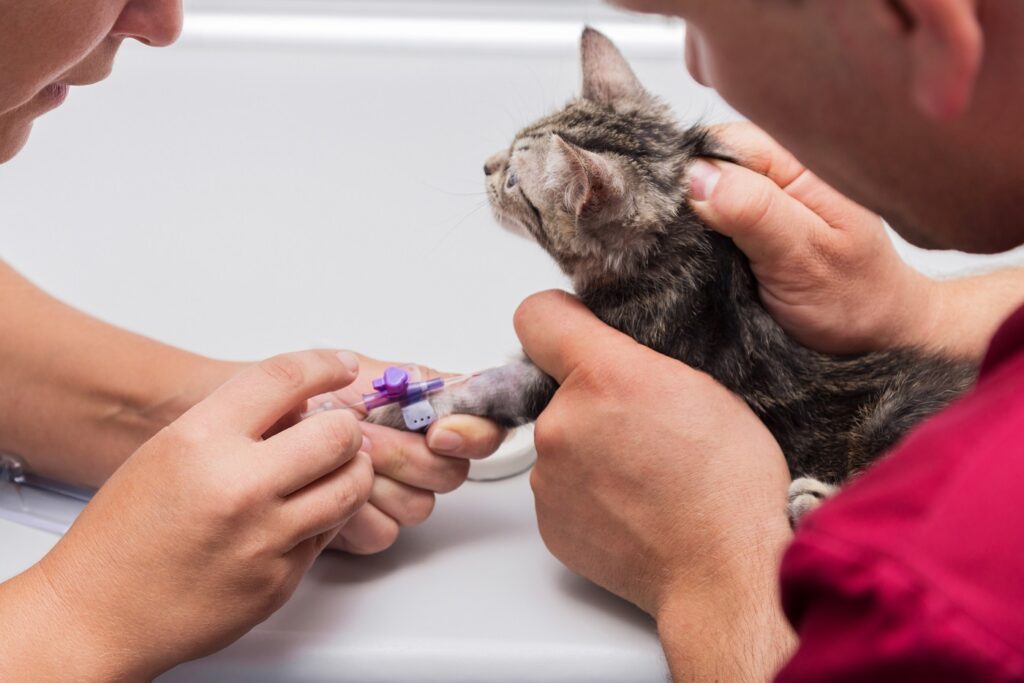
{"x":512,"y":180}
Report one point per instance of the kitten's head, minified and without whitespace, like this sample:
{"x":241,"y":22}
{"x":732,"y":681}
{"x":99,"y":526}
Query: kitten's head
{"x":597,"y":183}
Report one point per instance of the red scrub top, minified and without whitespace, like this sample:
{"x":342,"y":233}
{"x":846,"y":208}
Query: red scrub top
{"x":915,"y":572}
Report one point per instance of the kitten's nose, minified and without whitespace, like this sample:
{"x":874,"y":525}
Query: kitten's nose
{"x":495,"y":163}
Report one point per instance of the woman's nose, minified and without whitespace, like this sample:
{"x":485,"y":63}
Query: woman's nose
{"x":153,"y":22}
{"x":495,"y":163}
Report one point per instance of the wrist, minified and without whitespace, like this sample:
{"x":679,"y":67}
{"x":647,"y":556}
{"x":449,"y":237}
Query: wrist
{"x":750,"y":646}
{"x":700,"y":622}
{"x":918,"y":307}
{"x":31,"y":612}
{"x":85,"y":395}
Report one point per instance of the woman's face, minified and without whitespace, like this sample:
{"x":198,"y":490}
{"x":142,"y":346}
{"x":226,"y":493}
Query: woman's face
{"x":48,"y":46}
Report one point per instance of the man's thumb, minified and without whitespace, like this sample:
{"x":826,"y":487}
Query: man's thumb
{"x":766,"y":223}
{"x":558,"y":332}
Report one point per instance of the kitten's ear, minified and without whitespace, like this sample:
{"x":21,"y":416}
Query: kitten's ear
{"x":592,"y":183}
{"x":607,"y":76}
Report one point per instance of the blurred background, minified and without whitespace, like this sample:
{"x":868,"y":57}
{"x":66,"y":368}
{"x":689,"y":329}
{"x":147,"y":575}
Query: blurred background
{"x":303,"y":172}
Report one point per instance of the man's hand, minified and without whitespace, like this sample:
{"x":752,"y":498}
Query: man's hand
{"x":660,"y":485}
{"x":827,"y":270}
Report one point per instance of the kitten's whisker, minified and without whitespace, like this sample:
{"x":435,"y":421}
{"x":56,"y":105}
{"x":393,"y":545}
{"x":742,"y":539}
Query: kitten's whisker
{"x":457,"y":225}
{"x":453,"y":194}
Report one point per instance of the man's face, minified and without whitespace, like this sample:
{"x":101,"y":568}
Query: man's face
{"x":832,"y":81}
{"x":46,"y":46}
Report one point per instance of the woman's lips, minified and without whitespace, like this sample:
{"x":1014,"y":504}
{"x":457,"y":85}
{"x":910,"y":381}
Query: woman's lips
{"x":55,"y":94}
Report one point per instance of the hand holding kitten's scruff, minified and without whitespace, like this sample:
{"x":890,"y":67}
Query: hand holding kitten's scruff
{"x":826,"y":268}
{"x":676,"y":500}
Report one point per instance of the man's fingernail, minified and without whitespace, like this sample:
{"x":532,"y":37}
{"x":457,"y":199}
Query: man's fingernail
{"x":349,"y":360}
{"x":443,"y":441}
{"x":367,"y":445}
{"x":703,"y":177}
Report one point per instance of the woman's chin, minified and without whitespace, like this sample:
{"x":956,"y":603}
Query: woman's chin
{"x":13,"y":139}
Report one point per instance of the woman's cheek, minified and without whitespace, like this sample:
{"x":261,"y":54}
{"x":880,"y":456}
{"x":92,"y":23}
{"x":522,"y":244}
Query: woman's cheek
{"x":14,"y":132}
{"x":58,"y":36}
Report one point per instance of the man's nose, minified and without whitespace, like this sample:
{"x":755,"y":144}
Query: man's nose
{"x":153,"y":22}
{"x":495,"y":163}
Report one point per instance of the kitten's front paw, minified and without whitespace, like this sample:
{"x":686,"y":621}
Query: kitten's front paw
{"x":806,"y":494}
{"x":388,"y":416}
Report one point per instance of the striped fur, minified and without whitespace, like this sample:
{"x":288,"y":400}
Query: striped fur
{"x":600,"y":186}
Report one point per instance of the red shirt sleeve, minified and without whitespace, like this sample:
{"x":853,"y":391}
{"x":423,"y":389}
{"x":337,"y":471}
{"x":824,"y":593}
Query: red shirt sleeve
{"x":915,"y":572}
{"x":862,"y":617}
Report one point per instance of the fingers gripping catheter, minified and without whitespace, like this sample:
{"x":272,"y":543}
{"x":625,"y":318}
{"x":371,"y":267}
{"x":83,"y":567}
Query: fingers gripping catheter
{"x":25,"y":498}
{"x":397,"y":386}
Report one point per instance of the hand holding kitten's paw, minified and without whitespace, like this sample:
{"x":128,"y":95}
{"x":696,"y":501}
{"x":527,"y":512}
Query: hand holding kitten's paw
{"x":827,"y":270}
{"x":410,"y":468}
{"x":465,"y":436}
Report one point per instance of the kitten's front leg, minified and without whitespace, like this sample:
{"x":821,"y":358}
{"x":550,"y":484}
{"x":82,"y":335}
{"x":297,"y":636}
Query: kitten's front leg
{"x":510,"y":395}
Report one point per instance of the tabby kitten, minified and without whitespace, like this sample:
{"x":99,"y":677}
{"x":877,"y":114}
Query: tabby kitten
{"x":600,"y":186}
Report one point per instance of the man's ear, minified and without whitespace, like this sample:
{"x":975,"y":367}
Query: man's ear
{"x":592,"y":183}
{"x":946,"y":50}
{"x":607,"y":76}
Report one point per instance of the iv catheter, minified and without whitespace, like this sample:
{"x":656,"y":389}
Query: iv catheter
{"x":396,"y":387}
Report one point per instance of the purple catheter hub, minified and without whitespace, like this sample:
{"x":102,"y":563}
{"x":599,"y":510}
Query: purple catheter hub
{"x":394,"y":387}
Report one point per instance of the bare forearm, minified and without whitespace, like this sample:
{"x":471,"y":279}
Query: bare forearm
{"x":702,"y":647}
{"x":968,"y":311}
{"x":78,"y":396}
{"x":737,"y":632}
{"x":30,"y":615}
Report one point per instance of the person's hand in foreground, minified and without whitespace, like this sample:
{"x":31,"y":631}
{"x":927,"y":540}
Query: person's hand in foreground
{"x":110,"y":391}
{"x":410,"y":469}
{"x":827,"y":270}
{"x":200,"y":535}
{"x":660,"y":485}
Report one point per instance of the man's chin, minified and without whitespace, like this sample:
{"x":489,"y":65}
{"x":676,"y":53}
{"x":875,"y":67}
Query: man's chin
{"x":13,"y":139}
